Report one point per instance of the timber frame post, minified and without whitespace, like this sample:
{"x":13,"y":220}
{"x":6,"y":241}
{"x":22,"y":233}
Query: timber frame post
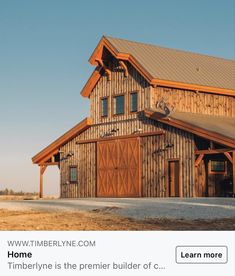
{"x":42,"y":170}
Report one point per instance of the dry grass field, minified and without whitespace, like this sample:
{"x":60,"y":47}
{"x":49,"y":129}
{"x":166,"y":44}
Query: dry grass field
{"x":23,"y":197}
{"x":97,"y":220}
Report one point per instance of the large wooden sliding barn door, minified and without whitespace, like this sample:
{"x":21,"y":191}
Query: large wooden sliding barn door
{"x":118,"y":168}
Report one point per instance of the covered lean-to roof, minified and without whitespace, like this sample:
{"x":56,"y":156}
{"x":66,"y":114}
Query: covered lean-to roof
{"x":54,"y":147}
{"x":216,"y":128}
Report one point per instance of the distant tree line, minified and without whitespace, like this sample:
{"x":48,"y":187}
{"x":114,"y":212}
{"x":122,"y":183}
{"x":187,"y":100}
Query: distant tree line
{"x":11,"y":192}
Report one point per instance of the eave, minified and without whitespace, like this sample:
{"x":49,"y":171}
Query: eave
{"x":54,"y":147}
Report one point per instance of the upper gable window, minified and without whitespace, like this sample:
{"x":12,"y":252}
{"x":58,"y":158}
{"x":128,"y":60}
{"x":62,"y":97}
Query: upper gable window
{"x":133,"y":102}
{"x":118,"y":104}
{"x":104,"y":107}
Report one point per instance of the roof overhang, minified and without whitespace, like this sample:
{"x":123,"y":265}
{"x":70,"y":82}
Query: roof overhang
{"x":54,"y":147}
{"x":97,"y":55}
{"x":192,"y":128}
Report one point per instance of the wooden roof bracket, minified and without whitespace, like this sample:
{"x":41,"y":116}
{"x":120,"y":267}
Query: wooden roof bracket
{"x":107,"y":71}
{"x":124,"y":67}
{"x":154,"y":85}
{"x":230,"y":158}
{"x":198,"y":160}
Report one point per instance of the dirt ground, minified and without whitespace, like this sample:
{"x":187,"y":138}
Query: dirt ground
{"x":101,"y":220}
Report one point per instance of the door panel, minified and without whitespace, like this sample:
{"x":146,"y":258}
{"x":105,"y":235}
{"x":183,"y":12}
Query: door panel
{"x":129,"y":152}
{"x":106,"y":169}
{"x":118,"y":168}
{"x":173,"y":178}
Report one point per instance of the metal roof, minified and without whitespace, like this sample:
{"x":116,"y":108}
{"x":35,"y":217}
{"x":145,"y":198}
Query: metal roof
{"x":217,"y":128}
{"x":221,"y":125}
{"x":179,"y":66}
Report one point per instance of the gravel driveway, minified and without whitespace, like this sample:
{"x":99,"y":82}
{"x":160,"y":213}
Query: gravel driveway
{"x":178,"y":208}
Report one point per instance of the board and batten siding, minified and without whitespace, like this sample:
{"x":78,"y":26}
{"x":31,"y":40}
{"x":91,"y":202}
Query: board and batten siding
{"x":195,"y":102}
{"x":84,"y":157}
{"x":154,"y":158}
{"x":119,"y":84}
{"x":200,"y":179}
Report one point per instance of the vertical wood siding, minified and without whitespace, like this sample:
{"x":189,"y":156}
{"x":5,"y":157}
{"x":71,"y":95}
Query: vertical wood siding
{"x":85,"y":158}
{"x":119,"y":84}
{"x":154,"y":155}
{"x":200,"y":189}
{"x":155,"y":162}
{"x":190,"y":101}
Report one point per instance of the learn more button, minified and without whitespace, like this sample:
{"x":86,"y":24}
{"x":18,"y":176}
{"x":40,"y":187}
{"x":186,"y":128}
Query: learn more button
{"x":201,"y":254}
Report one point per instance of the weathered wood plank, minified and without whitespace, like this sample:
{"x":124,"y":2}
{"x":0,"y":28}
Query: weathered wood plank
{"x":189,"y":101}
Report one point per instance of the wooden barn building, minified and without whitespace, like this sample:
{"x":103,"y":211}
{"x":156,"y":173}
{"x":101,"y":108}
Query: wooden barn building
{"x":161,"y":124}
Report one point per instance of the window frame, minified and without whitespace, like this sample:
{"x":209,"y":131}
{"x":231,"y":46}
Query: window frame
{"x":113,"y":105}
{"x":70,"y":180}
{"x":137,"y":106}
{"x":218,"y":172}
{"x":101,"y":107}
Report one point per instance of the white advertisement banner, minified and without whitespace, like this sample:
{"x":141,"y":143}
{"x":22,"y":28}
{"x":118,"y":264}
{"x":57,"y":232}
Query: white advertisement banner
{"x":117,"y":253}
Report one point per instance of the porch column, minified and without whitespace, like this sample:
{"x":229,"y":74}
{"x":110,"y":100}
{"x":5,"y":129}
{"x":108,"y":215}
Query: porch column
{"x":233,"y":172}
{"x":42,"y":170}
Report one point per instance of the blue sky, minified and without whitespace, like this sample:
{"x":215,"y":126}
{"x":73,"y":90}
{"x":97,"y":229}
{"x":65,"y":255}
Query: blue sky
{"x":44,"y":51}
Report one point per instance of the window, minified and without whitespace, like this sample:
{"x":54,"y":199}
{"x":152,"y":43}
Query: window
{"x":104,"y":107}
{"x":134,"y":102}
{"x":119,"y":105}
{"x":217,"y":167}
{"x":73,"y":174}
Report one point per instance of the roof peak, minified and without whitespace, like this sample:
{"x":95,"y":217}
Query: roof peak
{"x":110,"y":38}
{"x":168,"y":67}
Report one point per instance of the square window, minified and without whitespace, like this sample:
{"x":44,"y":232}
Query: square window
{"x":218,"y":166}
{"x":104,"y":107}
{"x":134,"y":102}
{"x":73,"y":174}
{"x":119,"y":105}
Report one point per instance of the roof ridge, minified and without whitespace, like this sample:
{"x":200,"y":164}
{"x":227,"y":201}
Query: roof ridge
{"x":167,"y":48}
